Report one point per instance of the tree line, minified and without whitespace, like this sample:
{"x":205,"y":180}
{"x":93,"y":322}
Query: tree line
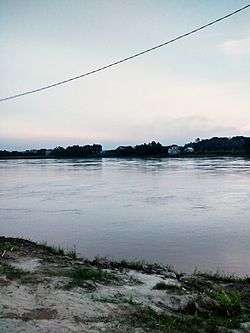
{"x":238,"y":145}
{"x":58,"y":152}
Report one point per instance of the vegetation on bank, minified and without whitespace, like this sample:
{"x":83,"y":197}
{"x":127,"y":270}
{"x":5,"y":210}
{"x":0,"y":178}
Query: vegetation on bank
{"x":211,"y":302}
{"x":216,"y":146}
{"x":198,"y":323}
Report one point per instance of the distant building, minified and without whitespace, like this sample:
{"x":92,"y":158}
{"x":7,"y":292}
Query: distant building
{"x":31,"y":151}
{"x":122,"y":147}
{"x":48,"y":152}
{"x":189,"y":150}
{"x":174,"y":150}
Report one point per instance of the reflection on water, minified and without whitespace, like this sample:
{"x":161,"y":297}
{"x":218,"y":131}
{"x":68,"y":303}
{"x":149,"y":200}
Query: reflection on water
{"x":185,"y":212}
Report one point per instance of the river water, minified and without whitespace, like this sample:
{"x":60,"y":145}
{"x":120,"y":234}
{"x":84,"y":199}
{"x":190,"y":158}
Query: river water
{"x":185,"y":212}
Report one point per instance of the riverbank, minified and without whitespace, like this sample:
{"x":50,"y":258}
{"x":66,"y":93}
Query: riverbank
{"x":44,"y":289}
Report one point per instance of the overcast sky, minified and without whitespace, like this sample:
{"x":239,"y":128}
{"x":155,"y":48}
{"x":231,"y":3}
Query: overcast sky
{"x":196,"y":87}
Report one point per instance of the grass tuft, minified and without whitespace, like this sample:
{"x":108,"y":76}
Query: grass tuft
{"x":229,"y":302}
{"x":80,"y":275}
{"x":55,"y":250}
{"x":220,"y":276}
{"x":167,"y":323}
{"x":136,"y":265}
{"x":7,"y":246}
{"x":58,"y":250}
{"x":11,"y":272}
{"x":72,"y":254}
{"x":163,"y":286}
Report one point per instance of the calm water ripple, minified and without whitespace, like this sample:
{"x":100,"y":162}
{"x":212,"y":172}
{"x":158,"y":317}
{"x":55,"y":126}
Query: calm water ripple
{"x":185,"y":212}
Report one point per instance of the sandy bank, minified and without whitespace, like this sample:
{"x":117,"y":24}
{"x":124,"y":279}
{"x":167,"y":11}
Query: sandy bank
{"x":45,"y":290}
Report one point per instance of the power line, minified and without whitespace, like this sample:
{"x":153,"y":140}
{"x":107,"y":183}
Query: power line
{"x":124,"y":59}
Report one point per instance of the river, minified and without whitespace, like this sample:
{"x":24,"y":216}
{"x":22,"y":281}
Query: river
{"x":186,"y":212}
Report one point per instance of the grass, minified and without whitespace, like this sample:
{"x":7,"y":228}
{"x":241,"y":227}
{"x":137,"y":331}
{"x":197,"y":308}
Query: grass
{"x":163,"y":286}
{"x":31,"y":278}
{"x":220,"y":276}
{"x":229,"y":302}
{"x":80,"y":275}
{"x":149,"y":319}
{"x":7,"y":246}
{"x":72,"y":253}
{"x":58,"y":250}
{"x":138,"y":265}
{"x":116,"y":300}
{"x":207,"y":281}
{"x":165,"y":323}
{"x":131,"y":300}
{"x":11,"y":272}
{"x":134,"y":281}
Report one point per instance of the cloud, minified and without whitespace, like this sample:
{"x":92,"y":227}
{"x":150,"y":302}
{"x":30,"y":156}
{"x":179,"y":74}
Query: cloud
{"x":236,"y":46}
{"x":119,"y":110}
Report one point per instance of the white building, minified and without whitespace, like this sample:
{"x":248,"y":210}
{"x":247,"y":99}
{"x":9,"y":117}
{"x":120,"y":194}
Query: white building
{"x":174,"y":150}
{"x":189,"y":150}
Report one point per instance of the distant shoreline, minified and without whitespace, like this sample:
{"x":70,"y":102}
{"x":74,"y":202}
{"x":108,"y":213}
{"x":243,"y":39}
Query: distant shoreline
{"x":124,"y":157}
{"x":237,"y":146}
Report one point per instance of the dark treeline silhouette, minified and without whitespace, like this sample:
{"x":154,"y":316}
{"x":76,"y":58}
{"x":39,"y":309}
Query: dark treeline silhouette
{"x":237,"y":145}
{"x":216,"y":146}
{"x":26,"y":153}
{"x":150,"y":149}
{"x":58,"y":152}
{"x":77,"y":151}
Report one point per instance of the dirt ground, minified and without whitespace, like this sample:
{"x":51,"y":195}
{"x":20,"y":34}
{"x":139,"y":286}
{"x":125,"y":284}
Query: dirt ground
{"x":46,"y":290}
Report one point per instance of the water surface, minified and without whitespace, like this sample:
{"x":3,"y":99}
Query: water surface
{"x":185,"y":212}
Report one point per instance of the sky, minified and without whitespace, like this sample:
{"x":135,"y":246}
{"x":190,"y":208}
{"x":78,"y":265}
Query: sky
{"x":196,"y":87}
